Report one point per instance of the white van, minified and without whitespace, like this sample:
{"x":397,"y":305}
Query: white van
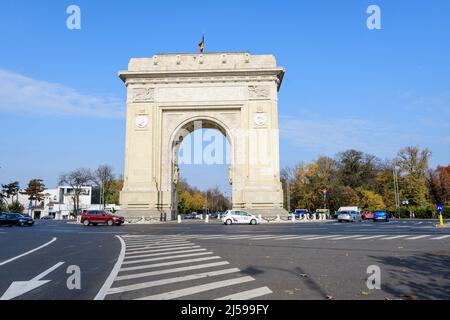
{"x":349,"y":209}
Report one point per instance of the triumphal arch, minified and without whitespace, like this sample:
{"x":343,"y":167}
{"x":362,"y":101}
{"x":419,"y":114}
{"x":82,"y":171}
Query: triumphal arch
{"x":170,"y":96}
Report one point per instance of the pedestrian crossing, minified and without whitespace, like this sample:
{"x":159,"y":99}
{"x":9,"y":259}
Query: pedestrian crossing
{"x":179,"y":240}
{"x":171,"y":267}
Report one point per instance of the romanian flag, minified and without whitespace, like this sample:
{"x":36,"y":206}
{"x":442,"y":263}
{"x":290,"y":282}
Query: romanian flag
{"x":202,"y":45}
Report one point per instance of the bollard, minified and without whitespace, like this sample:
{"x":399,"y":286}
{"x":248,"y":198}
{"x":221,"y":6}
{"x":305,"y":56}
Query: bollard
{"x":314,"y":217}
{"x":260,"y":218}
{"x":179,"y":219}
{"x":293,"y":217}
{"x":207,"y":219}
{"x":278,"y":218}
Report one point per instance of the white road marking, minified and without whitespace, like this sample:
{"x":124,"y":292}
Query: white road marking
{"x":298,"y":237}
{"x":262,"y":237}
{"x":247,"y":295}
{"x":441,"y":238}
{"x":133,"y":254}
{"x":164,"y":264}
{"x":167,"y":258}
{"x":28,"y":252}
{"x":236,"y":237}
{"x":109,"y":281}
{"x":162,"y":282}
{"x":371,"y":237}
{"x":18,"y":288}
{"x":198,"y":289}
{"x":159,"y":245}
{"x":164,"y":253}
{"x":418,"y":237}
{"x":156,"y":242}
{"x":134,"y":249}
{"x":322,"y":237}
{"x":394,"y":237}
{"x":174,"y":270}
{"x":347,"y":237}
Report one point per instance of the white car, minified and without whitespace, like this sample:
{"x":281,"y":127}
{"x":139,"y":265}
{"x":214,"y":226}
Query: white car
{"x":349,"y":216}
{"x":239,"y":217}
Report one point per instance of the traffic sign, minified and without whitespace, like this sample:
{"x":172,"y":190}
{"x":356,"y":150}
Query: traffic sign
{"x":439,"y":208}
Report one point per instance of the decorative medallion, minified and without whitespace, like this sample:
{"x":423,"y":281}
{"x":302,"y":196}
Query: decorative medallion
{"x":142,"y":122}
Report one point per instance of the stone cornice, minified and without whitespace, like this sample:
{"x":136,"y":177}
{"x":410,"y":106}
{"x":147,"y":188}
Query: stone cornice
{"x":242,"y":75}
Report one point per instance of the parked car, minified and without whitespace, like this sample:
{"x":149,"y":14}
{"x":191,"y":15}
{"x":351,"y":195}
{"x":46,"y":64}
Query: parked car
{"x":239,"y":217}
{"x":15,"y":219}
{"x":96,"y":217}
{"x":366,"y":215}
{"x":299,"y":213}
{"x":381,"y":215}
{"x":349,"y":216}
{"x":48,"y":218}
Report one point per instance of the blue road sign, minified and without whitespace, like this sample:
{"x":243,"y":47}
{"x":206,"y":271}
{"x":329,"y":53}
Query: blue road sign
{"x":439,"y":208}
{"x":30,"y":205}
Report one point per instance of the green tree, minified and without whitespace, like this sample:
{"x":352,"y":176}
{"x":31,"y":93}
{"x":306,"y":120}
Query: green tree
{"x":413,"y":164}
{"x":35,"y":191}
{"x":16,"y":207}
{"x":11,"y":190}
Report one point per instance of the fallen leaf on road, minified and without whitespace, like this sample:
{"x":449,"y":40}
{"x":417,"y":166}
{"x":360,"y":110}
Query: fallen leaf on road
{"x":364,"y":293}
{"x":303,"y":275}
{"x":330,"y":298}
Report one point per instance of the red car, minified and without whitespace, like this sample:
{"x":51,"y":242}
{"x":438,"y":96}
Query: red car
{"x":96,"y":217}
{"x":366,"y":215}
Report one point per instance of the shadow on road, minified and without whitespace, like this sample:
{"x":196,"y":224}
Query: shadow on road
{"x":425,"y":276}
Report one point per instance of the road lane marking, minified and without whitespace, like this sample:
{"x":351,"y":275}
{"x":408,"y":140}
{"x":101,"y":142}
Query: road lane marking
{"x":347,"y":237}
{"x":174,"y":270}
{"x":28,"y":252}
{"x":298,"y":237}
{"x":158,"y":245}
{"x":441,"y":238}
{"x":418,"y":237}
{"x":371,"y":237}
{"x":164,"y":264}
{"x":162,"y":250}
{"x":134,"y":249}
{"x":197,"y":289}
{"x":154,"y":241}
{"x":162,"y":282}
{"x":322,"y":237}
{"x":109,"y":281}
{"x":395,"y":237}
{"x":167,"y":258}
{"x":164,"y":253}
{"x":18,"y":288}
{"x":247,"y":295}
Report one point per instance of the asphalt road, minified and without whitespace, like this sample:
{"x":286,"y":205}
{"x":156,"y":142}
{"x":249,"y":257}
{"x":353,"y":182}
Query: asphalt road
{"x":197,"y":261}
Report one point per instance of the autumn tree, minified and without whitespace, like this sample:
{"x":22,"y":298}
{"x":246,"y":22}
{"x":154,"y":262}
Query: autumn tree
{"x":413,"y":164}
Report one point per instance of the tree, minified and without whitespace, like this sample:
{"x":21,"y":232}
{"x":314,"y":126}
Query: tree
{"x":113,"y":194}
{"x":104,"y":178}
{"x":16,"y":207}
{"x":413,"y":164}
{"x":439,"y":184}
{"x":370,"y":200}
{"x":35,"y":190}
{"x":11,"y":190}
{"x":77,"y":179}
{"x":356,"y":169}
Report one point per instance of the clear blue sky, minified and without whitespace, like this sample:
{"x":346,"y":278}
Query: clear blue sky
{"x":345,"y":87}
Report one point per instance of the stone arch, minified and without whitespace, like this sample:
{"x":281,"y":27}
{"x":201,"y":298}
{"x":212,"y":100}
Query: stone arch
{"x":229,"y":92}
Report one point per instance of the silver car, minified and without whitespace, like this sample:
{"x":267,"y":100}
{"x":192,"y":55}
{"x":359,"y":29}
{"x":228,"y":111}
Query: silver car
{"x":349,"y":216}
